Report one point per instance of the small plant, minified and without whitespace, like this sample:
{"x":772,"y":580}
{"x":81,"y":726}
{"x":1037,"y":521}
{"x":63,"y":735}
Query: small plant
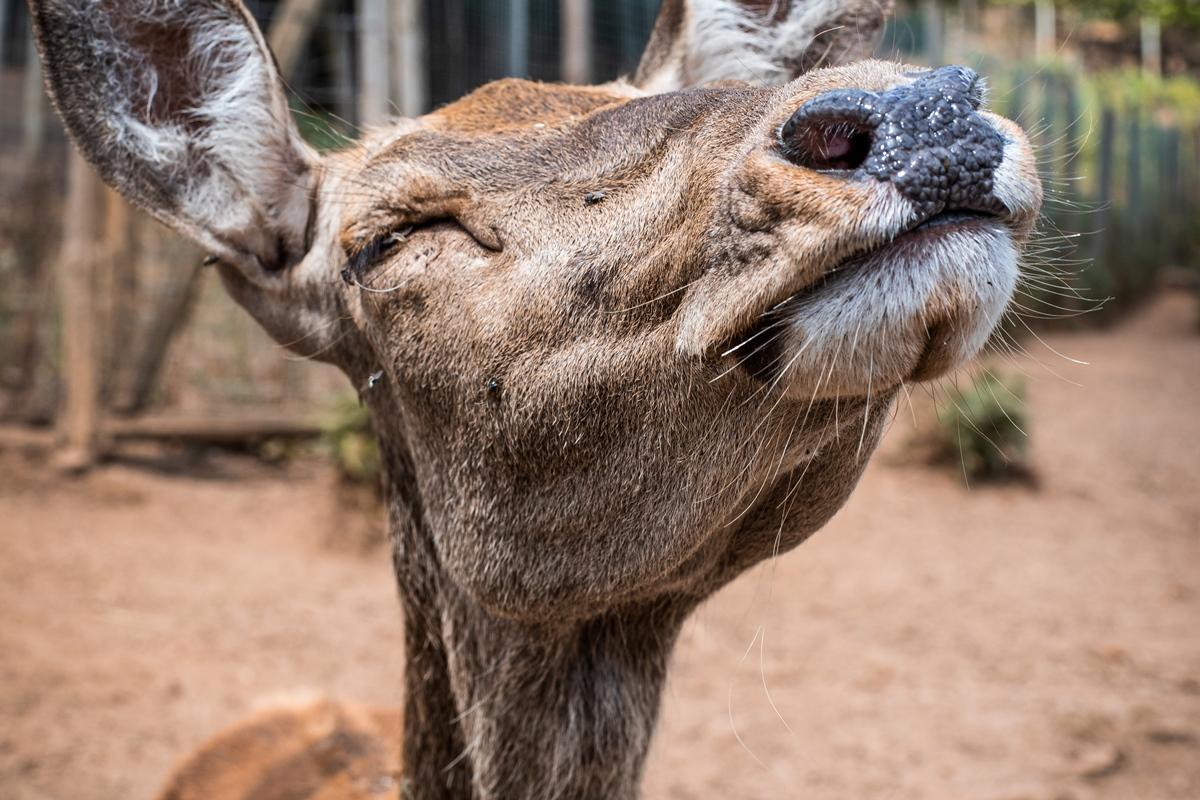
{"x":320,"y":129}
{"x":983,"y":427}
{"x":349,"y":437}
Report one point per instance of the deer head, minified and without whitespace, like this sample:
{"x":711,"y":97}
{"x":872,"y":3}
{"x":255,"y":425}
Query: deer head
{"x":622,"y":342}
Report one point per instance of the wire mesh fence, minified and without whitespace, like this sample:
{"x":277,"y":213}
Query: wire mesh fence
{"x":171,"y":339}
{"x":1115,"y":152}
{"x":1118,"y":152}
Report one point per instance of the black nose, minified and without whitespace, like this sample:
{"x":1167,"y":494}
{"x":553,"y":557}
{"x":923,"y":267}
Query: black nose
{"x":926,"y":138}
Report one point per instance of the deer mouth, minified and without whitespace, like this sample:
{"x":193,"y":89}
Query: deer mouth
{"x":945,"y":192}
{"x":911,"y":309}
{"x":951,"y":219}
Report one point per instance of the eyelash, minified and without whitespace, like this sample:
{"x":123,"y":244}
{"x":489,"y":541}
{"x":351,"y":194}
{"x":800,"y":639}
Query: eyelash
{"x":376,"y":249}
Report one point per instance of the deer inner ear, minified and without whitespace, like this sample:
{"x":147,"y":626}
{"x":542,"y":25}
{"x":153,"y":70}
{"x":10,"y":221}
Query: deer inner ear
{"x":182,"y":111}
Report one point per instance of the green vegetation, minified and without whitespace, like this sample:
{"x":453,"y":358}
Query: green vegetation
{"x":1116,"y":147}
{"x":983,"y":428}
{"x":1183,"y":13}
{"x":1115,"y":151}
{"x":349,"y":437}
{"x":1177,"y":13}
{"x":321,"y":129}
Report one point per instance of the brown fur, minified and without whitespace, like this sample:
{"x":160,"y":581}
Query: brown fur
{"x":314,"y":751}
{"x":548,"y":286}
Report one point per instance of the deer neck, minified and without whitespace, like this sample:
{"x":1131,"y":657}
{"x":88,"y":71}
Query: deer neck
{"x":496,"y":708}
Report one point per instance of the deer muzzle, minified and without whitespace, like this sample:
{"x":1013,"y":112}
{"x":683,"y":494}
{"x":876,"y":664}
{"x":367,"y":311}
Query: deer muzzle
{"x":927,"y":139}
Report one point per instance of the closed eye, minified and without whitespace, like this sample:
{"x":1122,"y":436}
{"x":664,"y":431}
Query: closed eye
{"x":370,"y":254}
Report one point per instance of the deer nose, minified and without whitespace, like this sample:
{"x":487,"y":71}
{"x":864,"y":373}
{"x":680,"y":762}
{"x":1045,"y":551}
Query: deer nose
{"x":926,"y":138}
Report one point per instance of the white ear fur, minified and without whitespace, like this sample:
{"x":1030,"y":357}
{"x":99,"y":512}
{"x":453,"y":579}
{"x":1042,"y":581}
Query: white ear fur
{"x":719,"y":40}
{"x":179,"y":106}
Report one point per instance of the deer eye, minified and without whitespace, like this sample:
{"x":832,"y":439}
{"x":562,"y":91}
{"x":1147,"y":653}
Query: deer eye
{"x":369,"y":255}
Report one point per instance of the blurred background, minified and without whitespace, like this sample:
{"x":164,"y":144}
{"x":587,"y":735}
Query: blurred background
{"x":1008,"y":608}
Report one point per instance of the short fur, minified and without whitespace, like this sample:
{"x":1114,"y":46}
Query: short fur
{"x":317,"y":750}
{"x":564,"y":290}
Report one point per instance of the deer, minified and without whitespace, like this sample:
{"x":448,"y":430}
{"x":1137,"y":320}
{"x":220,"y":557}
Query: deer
{"x":620,"y":343}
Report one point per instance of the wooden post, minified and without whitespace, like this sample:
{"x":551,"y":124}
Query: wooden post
{"x":120,"y":291}
{"x":575,"y":41}
{"x":373,"y":67}
{"x":290,"y":31}
{"x":81,"y":253}
{"x":408,"y":58}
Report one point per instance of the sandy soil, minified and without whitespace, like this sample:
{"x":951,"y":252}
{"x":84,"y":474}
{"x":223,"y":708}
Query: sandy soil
{"x":932,"y":642}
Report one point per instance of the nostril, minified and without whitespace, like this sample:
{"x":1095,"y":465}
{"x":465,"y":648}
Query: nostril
{"x":825,"y":145}
{"x":832,"y":132}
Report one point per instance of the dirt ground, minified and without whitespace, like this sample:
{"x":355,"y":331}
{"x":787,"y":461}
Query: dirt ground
{"x":932,"y":642}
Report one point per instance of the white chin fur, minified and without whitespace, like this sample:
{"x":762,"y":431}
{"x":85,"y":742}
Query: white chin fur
{"x":868,"y":326}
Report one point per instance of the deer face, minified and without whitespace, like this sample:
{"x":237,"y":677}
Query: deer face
{"x":630,"y":342}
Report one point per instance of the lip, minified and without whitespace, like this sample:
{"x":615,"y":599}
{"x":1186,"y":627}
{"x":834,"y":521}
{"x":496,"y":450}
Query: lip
{"x":761,"y":354}
{"x":957,"y":218}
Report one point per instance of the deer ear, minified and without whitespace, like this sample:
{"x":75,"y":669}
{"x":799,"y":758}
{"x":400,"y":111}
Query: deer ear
{"x":762,"y":41}
{"x":179,"y":106}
